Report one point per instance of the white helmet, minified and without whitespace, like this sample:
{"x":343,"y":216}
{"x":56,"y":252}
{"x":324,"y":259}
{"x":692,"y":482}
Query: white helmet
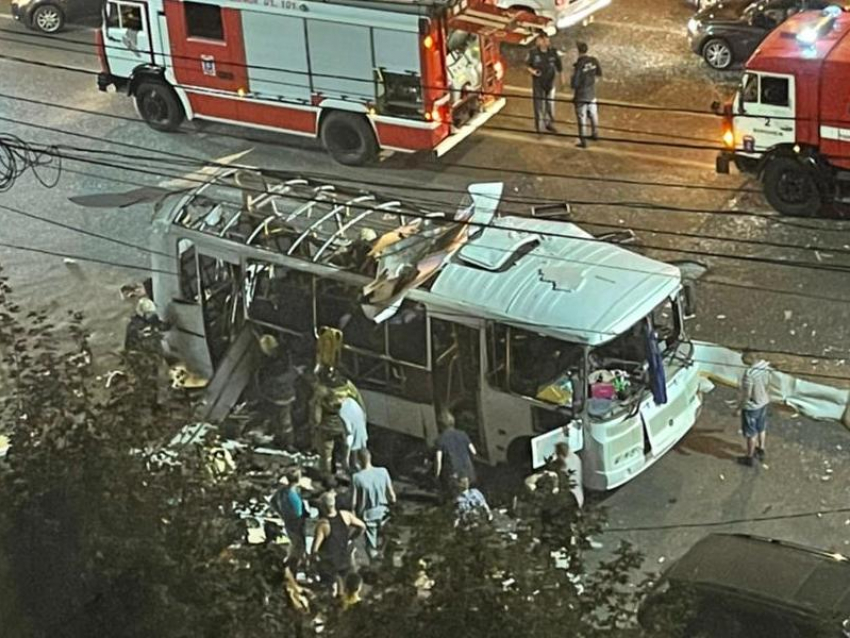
{"x":145,"y":307}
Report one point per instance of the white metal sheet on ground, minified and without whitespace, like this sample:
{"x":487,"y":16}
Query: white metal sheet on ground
{"x":815,"y":400}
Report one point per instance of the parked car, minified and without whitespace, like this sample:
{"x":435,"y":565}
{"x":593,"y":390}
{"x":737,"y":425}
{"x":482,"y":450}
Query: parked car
{"x":737,"y":586}
{"x":51,"y":16}
{"x":563,"y":13}
{"x":729,"y":31}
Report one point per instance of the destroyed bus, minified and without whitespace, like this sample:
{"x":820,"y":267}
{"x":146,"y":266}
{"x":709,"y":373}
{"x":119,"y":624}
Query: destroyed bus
{"x":359,"y":75}
{"x":529,"y":331}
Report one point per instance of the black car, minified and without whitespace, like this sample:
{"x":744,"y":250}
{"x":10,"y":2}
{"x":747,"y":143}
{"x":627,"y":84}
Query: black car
{"x":730,"y":30}
{"x":50,"y":16}
{"x":741,"y":586}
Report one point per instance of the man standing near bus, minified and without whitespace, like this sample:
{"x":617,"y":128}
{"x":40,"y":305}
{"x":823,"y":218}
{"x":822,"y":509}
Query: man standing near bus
{"x":544,"y":64}
{"x":453,"y":458}
{"x":753,"y":406}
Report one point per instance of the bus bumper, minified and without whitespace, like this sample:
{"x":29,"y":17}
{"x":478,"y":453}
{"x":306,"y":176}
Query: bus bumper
{"x":462,"y":132}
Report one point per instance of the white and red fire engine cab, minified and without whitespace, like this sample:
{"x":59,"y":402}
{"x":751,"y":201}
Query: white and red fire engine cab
{"x":789,"y":123}
{"x":361,"y":75}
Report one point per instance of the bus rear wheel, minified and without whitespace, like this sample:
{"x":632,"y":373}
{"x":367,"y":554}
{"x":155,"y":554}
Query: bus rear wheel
{"x":158,"y":106}
{"x":349,"y":138}
{"x":792,"y":188}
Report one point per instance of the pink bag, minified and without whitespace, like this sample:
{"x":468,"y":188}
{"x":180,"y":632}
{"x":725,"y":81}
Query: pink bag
{"x":602,"y":391}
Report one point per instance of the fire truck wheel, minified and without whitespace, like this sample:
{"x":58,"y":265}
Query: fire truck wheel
{"x":349,"y":138}
{"x":792,"y":188}
{"x":158,"y":106}
{"x":48,"y":18}
{"x":718,"y":54}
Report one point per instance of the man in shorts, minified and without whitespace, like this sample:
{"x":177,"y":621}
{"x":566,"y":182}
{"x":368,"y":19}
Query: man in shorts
{"x":753,"y":405}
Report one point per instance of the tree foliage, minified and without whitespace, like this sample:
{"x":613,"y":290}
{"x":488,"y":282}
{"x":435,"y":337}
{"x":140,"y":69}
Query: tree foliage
{"x":102,"y":540}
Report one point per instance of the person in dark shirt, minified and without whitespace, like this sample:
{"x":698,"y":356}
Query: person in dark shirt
{"x":287,"y":501}
{"x":544,"y":65}
{"x":275,"y":379}
{"x":583,"y":82}
{"x":453,"y":459}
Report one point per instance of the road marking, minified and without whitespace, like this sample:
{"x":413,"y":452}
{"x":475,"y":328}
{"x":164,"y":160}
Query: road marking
{"x":543,"y":140}
{"x":527,"y":91}
{"x":3,"y":16}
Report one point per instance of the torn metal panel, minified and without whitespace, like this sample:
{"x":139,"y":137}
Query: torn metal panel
{"x":815,"y":400}
{"x":231,"y":378}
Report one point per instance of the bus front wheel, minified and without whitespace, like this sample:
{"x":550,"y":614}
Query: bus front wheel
{"x":349,"y":138}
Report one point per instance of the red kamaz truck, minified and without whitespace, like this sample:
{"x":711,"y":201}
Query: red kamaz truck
{"x":789,"y":123}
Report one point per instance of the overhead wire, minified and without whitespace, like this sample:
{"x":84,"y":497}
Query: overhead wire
{"x":507,"y":199}
{"x":670,"y":249}
{"x":532,"y":325}
{"x":283,"y":101}
{"x":528,"y":172}
{"x":801,"y":294}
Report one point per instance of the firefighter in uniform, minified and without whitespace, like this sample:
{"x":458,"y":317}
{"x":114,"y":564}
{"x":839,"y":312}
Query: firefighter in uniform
{"x":276,"y":382}
{"x":143,"y":340}
{"x":329,"y":391}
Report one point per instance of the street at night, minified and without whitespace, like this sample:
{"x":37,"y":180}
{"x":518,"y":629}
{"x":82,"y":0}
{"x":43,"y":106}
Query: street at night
{"x":764,"y":282}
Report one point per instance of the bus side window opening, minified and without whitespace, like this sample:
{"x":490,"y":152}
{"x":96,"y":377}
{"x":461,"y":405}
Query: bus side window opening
{"x":536,"y":366}
{"x":281,"y":297}
{"x":407,"y":335}
{"x":189,"y":283}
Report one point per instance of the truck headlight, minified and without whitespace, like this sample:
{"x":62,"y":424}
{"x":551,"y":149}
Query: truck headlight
{"x":693,"y":26}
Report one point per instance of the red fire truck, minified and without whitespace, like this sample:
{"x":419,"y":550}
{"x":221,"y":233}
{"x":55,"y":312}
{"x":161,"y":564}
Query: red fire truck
{"x":361,"y":75}
{"x":789,"y":123}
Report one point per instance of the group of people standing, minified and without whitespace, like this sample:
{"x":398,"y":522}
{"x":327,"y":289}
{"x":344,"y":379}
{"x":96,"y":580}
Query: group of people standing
{"x":546,"y":69}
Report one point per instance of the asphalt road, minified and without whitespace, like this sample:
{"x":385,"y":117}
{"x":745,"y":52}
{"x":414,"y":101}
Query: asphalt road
{"x":745,"y":299}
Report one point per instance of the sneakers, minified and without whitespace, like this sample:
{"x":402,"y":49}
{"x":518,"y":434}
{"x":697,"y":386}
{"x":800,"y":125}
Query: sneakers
{"x":581,"y":144}
{"x":760,"y":453}
{"x":595,"y":137}
{"x":746,"y":460}
{"x":551,"y":128}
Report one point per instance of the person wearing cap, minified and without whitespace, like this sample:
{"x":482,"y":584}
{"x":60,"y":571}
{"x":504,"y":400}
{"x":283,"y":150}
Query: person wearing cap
{"x":276,"y":383}
{"x":545,"y":66}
